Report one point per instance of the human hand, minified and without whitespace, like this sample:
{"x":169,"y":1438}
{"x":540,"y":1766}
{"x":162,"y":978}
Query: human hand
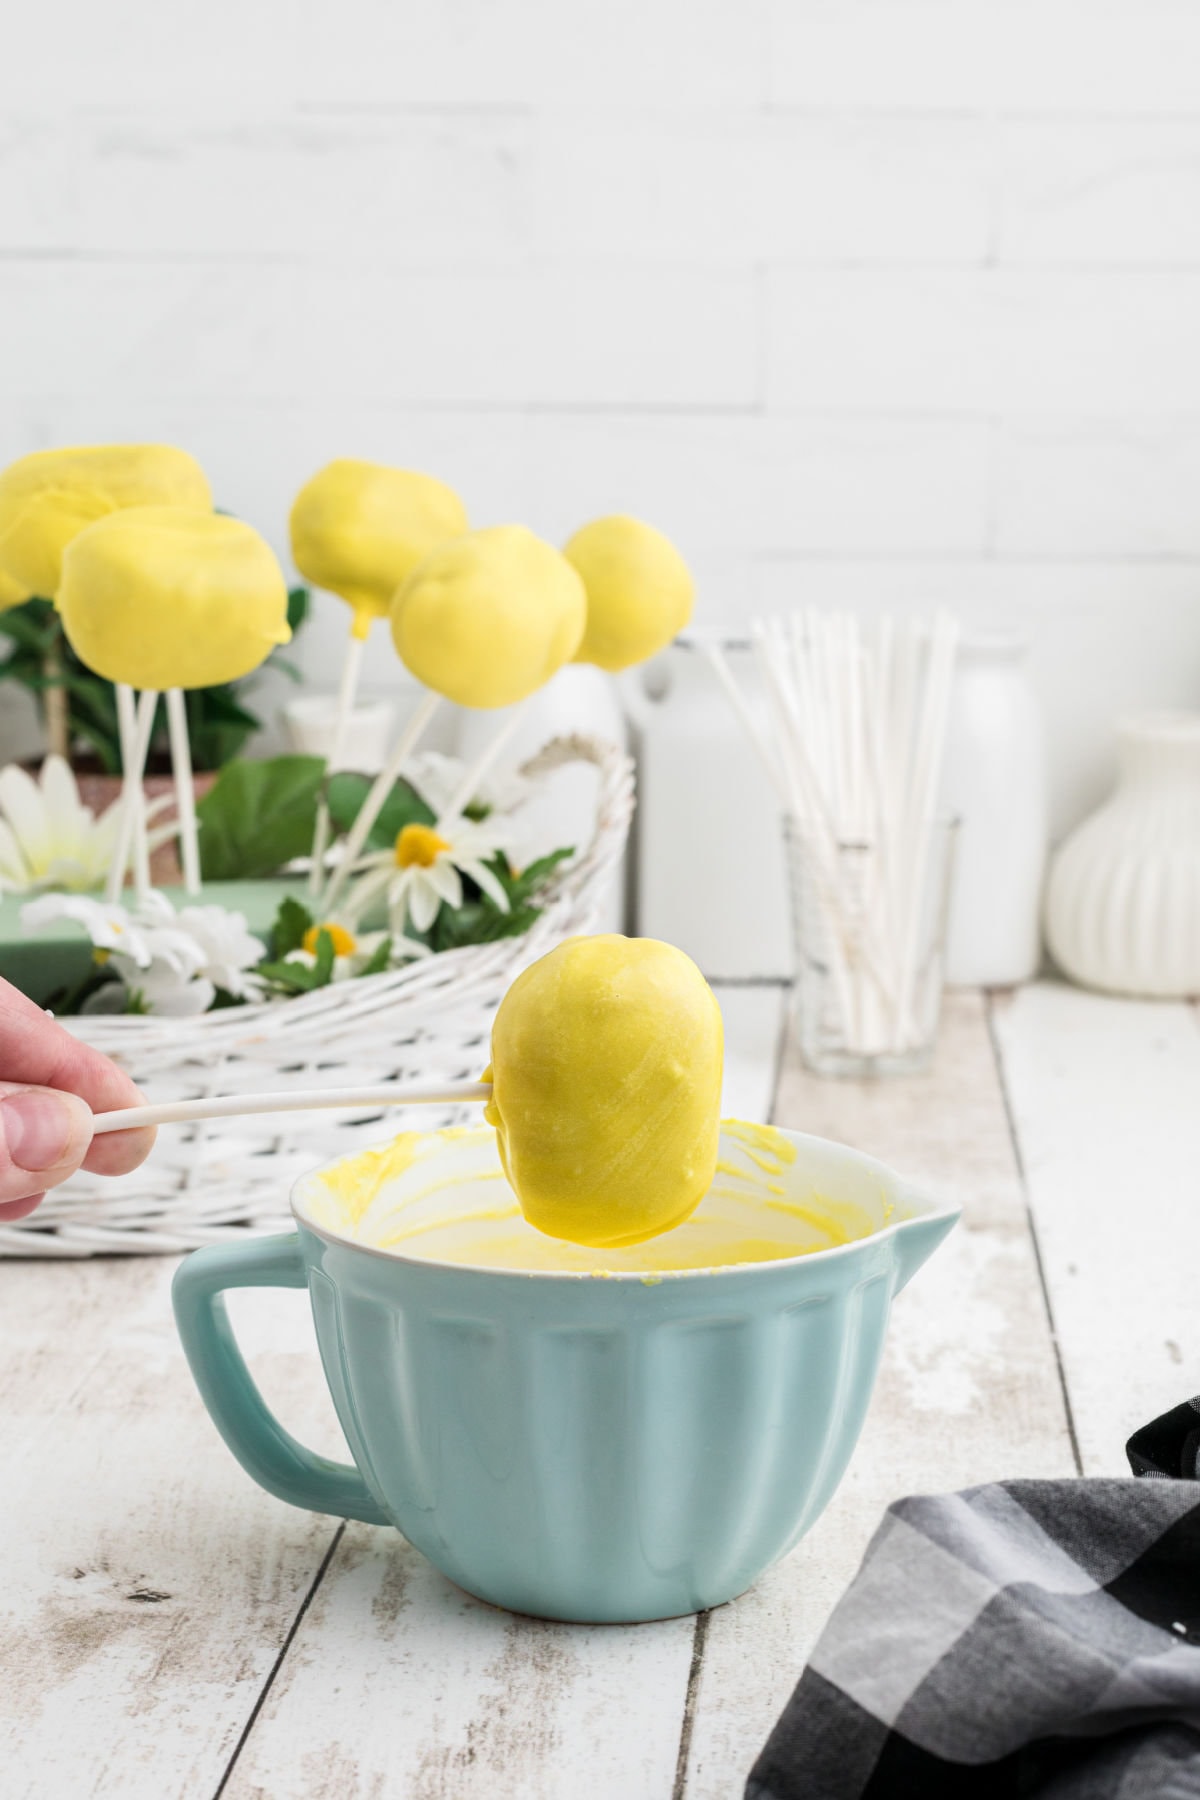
{"x":50,"y":1085}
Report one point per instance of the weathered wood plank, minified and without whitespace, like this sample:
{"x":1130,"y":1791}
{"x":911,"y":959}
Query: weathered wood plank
{"x":968,"y":1391}
{"x":146,"y":1586}
{"x":397,"y":1683}
{"x":1106,"y":1098}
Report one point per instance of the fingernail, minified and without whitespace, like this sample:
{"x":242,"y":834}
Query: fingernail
{"x":37,"y":1128}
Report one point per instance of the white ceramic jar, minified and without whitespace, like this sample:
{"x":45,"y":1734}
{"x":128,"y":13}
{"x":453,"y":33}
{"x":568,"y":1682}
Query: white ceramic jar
{"x":710,"y":866}
{"x":994,"y":783}
{"x":1123,"y":902}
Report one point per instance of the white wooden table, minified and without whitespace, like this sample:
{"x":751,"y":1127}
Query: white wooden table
{"x":166,"y":1629}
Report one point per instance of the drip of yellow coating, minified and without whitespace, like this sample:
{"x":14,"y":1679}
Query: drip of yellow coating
{"x":639,"y":591}
{"x":47,"y":498}
{"x":352,"y":1184}
{"x":488,"y":618}
{"x":165,"y":597}
{"x":769,"y":1149}
{"x":606,"y":1088}
{"x":359,"y":528}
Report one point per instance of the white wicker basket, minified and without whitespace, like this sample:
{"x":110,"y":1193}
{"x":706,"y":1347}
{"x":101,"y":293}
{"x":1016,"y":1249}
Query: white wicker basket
{"x":213,"y":1181}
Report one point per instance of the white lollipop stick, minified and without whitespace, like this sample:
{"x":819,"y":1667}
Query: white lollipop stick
{"x":185,"y":793}
{"x":372,"y":806}
{"x":236,"y":1106}
{"x":468,"y":787}
{"x":135,"y":747}
{"x":347,"y":693}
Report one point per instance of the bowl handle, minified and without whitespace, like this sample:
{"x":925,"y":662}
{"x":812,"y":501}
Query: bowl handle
{"x":916,"y":1241}
{"x":275,"y":1459}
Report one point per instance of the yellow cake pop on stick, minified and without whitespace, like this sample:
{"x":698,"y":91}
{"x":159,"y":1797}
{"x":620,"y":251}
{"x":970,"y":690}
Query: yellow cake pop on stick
{"x":48,"y":497}
{"x":485,"y":620}
{"x":606,"y":1089}
{"x":639,"y":591}
{"x":357,"y":530}
{"x":164,"y":597}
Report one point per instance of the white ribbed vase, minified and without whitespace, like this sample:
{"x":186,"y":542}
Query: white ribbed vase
{"x":1123,"y":901}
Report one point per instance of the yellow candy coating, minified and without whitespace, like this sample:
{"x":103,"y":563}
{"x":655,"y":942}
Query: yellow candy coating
{"x":49,"y":496}
{"x":160,"y":597}
{"x":606,"y":1089}
{"x":639,"y":591}
{"x":488,"y":618}
{"x":358,"y":528}
{"x":12,"y":593}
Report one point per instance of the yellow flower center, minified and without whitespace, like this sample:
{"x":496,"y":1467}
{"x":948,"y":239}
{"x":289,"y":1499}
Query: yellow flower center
{"x":419,"y":846}
{"x":100,"y":957}
{"x":344,"y":942}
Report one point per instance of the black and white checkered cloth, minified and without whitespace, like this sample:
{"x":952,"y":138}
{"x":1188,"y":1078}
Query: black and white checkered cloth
{"x":1029,"y":1638}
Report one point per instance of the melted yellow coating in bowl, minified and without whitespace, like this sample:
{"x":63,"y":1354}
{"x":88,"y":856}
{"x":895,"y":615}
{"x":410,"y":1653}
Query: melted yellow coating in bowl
{"x":360,"y":528}
{"x":162,"y":597}
{"x":639,"y":591}
{"x":606,"y":1089}
{"x":47,"y":498}
{"x":487,"y":619}
{"x":441,"y":1197}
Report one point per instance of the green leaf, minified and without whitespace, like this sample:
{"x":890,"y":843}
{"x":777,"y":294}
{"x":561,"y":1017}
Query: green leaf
{"x":34,"y":623}
{"x":323,"y":967}
{"x":298,"y":977}
{"x":380,"y":959}
{"x":535,"y":876}
{"x":403,"y":806}
{"x":299,"y":601}
{"x":292,"y":977}
{"x":258,"y":816}
{"x":292,"y":924}
{"x":479,"y":922}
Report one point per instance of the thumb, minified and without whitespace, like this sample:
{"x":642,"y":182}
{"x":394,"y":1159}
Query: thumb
{"x":44,"y":1136}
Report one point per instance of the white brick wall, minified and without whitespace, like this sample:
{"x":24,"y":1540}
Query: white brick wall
{"x":867,"y":301}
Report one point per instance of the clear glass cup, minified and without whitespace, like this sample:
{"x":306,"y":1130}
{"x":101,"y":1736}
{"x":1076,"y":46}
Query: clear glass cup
{"x":868,"y":991}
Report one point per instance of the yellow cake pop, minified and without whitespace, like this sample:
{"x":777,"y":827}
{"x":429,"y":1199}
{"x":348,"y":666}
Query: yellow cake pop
{"x":639,"y":591}
{"x":606,"y":1089}
{"x":49,"y":496}
{"x":358,"y":528}
{"x":164,"y":597}
{"x":488,"y":618}
{"x":12,"y":593}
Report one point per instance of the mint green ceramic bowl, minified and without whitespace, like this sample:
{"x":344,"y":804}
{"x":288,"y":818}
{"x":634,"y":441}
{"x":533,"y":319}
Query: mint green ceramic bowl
{"x":601,"y":1444}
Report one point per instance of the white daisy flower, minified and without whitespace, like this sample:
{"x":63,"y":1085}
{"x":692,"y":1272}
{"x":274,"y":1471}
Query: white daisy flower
{"x":425,"y":867}
{"x":110,"y":927}
{"x":50,"y":839}
{"x":175,"y":961}
{"x":229,"y":948}
{"x":353,"y":950}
